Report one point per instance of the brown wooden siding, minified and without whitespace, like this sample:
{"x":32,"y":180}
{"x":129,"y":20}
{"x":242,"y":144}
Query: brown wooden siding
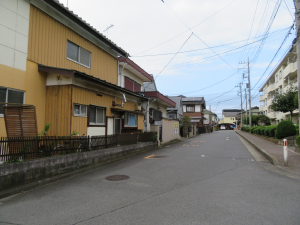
{"x":48,"y":44}
{"x":58,"y":110}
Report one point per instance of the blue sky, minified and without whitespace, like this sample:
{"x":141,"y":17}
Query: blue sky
{"x":195,"y":47}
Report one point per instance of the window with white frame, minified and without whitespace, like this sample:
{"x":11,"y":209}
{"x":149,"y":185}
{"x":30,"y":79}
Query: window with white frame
{"x":8,"y":95}
{"x":276,"y":78}
{"x":78,"y":54}
{"x":97,"y":115}
{"x":80,"y":110}
{"x":280,"y":74}
{"x":130,"y":120}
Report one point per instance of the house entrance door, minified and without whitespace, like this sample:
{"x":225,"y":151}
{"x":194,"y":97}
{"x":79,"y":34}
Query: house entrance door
{"x":117,"y":125}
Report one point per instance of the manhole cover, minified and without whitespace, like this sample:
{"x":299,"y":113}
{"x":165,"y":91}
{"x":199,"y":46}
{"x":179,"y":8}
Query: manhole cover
{"x":117,"y":177}
{"x":159,"y":156}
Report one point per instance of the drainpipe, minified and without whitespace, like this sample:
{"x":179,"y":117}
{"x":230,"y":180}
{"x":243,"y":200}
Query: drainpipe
{"x":147,"y":117}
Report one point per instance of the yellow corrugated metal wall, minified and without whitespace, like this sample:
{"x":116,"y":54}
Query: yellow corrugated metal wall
{"x":90,"y":97}
{"x":58,"y":110}
{"x":140,"y":122}
{"x":48,"y":44}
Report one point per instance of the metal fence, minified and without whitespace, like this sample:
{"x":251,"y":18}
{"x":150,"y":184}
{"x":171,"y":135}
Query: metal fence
{"x":20,"y":148}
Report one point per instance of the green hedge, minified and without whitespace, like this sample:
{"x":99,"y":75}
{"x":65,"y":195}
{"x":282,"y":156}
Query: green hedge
{"x":298,"y":140}
{"x":245,"y":129}
{"x":272,"y":130}
{"x":285,"y":129}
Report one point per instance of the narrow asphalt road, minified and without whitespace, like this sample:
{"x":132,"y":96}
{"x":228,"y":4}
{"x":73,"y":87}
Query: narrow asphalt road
{"x":209,"y":179}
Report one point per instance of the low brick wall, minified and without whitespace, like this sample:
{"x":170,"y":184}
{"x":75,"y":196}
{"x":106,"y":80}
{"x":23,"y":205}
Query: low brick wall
{"x":17,"y":174}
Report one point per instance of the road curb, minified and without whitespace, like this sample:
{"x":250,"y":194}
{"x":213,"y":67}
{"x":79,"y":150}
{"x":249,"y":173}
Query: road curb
{"x":272,"y":159}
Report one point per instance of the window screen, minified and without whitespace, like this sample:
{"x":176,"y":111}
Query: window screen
{"x":97,"y":115}
{"x":10,"y":96}
{"x":78,"y":54}
{"x":84,"y":57}
{"x":72,"y":51}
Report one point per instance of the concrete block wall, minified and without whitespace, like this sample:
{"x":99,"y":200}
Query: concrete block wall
{"x":17,"y":174}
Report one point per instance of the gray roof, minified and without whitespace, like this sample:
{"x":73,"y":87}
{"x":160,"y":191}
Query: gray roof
{"x":177,"y":100}
{"x":193,"y":99}
{"x":230,"y":114}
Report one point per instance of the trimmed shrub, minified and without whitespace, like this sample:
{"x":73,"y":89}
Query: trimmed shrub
{"x":247,"y":129}
{"x":272,"y":130}
{"x":256,"y":130}
{"x":297,"y":129}
{"x":252,"y":129}
{"x":285,"y":129}
{"x":267,"y":131}
{"x":298,"y":140}
{"x":262,"y":130}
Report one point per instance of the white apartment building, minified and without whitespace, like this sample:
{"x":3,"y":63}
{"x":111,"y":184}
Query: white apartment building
{"x":284,"y":76}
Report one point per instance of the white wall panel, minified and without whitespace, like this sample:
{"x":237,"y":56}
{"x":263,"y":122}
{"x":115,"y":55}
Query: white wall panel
{"x":197,"y":108}
{"x":21,"y":43}
{"x":95,"y":131}
{"x":23,"y":9}
{"x":110,"y":126}
{"x":7,"y":37}
{"x":9,"y":4}
{"x":22,"y":25}
{"x":20,"y":60}
{"x":6,"y":56}
{"x":7,"y":18}
{"x":14,"y":27}
{"x":184,"y":108}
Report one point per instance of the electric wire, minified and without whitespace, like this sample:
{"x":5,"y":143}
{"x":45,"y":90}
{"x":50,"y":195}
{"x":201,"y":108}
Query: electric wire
{"x":174,"y":56}
{"x":188,"y":29}
{"x":198,"y":36}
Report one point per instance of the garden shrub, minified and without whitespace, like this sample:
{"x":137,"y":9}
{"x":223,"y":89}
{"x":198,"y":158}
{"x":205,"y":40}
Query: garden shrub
{"x":247,"y":129}
{"x":267,"y":131}
{"x":284,"y":129}
{"x":262,"y":130}
{"x":297,"y":129}
{"x":256,"y":130}
{"x":298,"y":140}
{"x":271,"y":130}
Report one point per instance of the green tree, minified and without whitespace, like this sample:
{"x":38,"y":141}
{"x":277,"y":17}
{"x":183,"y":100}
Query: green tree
{"x":285,"y":102}
{"x":185,"y":122}
{"x":264,"y":119}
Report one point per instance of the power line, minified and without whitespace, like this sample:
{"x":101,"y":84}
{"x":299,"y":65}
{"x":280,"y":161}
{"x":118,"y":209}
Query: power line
{"x":188,"y":29}
{"x":174,"y":56}
{"x":200,"y":49}
{"x":251,"y":27}
{"x":275,"y":54}
{"x":198,"y":36}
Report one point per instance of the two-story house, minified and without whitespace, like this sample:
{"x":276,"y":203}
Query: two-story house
{"x":168,"y":129}
{"x":210,"y":120}
{"x":282,"y":77}
{"x":229,"y":120}
{"x":54,"y":60}
{"x":177,"y":112}
{"x":194,"y":106}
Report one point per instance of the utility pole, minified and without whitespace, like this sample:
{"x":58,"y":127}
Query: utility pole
{"x":246,"y":103}
{"x":297,"y":11}
{"x":240,"y":84}
{"x":250,"y":115}
{"x":248,"y":86}
{"x":241,"y":105}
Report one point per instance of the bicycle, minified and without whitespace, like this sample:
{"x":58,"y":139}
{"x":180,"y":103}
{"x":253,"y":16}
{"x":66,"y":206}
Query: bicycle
{"x":68,"y":146}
